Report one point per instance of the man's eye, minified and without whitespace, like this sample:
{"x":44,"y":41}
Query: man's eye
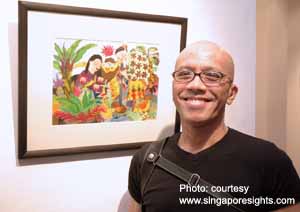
{"x":213,"y":76}
{"x":184,"y":74}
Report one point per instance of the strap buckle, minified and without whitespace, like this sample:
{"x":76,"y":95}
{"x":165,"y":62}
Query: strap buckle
{"x":194,"y":179}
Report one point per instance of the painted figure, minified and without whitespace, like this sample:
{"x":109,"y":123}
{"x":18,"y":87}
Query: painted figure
{"x":91,"y":77}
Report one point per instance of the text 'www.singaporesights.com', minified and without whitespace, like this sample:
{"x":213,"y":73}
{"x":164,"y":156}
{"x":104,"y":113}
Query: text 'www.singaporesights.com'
{"x":256,"y":201}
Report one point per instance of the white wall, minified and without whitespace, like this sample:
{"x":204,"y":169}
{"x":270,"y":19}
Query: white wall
{"x":97,"y":182}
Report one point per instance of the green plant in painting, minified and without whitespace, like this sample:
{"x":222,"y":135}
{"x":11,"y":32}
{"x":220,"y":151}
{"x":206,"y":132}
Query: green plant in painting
{"x":75,"y":105}
{"x":64,"y":60}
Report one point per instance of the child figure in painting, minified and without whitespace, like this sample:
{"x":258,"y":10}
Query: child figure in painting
{"x":110,"y":73}
{"x":121,"y":54}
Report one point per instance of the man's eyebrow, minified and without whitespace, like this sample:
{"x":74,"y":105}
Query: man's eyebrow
{"x":183,"y":67}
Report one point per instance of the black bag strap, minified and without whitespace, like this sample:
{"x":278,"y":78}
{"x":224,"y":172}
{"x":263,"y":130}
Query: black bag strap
{"x":147,"y":168}
{"x":155,"y":157}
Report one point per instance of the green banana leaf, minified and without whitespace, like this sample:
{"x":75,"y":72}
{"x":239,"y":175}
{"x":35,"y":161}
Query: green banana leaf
{"x":79,"y":54}
{"x":58,"y":50}
{"x":71,"y":50}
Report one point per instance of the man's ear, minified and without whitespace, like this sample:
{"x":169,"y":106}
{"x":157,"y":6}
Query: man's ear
{"x":232,"y":94}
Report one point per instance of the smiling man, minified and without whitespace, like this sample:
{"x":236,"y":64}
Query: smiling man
{"x":215,"y":156}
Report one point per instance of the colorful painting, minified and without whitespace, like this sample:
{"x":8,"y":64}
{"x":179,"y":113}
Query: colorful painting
{"x":97,"y":81}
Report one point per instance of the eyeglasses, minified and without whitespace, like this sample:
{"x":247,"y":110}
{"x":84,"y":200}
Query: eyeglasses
{"x":208,"y":77}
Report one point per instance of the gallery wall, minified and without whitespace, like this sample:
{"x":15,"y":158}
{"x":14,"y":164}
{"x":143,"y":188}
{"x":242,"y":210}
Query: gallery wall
{"x":96,"y":182}
{"x":272,"y":54}
{"x":278,"y":75}
{"x":293,"y":84}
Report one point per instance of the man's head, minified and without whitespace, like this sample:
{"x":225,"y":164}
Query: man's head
{"x":202,"y":101}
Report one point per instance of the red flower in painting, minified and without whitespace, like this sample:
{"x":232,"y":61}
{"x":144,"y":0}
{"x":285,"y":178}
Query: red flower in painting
{"x":67,"y":117}
{"x":96,"y":113}
{"x":82,"y":80}
{"x":97,"y":88}
{"x":98,"y":109}
{"x":107,"y":50}
{"x":77,"y":91}
{"x":100,"y":80}
{"x":92,"y":116}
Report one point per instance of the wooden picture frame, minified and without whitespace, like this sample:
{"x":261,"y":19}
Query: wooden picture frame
{"x":65,"y":107}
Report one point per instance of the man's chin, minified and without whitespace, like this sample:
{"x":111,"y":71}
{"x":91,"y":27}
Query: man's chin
{"x":197,"y":121}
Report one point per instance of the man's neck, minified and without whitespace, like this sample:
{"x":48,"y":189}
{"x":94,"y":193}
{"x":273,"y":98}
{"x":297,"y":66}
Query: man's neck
{"x":195,"y":138}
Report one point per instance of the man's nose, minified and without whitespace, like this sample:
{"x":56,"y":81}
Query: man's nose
{"x":196,"y":83}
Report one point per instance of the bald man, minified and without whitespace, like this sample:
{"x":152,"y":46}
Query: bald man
{"x":253,"y":171}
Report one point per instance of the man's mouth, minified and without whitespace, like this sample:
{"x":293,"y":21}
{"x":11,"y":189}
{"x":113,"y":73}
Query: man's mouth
{"x":193,"y":99}
{"x":196,"y":101}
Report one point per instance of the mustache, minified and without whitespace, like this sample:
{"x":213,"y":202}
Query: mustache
{"x":194,"y":93}
{"x":187,"y":96}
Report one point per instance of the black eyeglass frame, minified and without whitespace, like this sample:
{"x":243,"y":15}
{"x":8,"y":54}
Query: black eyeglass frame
{"x":215,"y":83}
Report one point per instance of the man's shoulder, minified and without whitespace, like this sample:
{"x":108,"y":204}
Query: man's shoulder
{"x":251,"y":145}
{"x":140,"y":154}
{"x":250,"y":140}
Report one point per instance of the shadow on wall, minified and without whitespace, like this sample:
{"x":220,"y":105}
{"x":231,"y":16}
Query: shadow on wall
{"x":13,"y":57}
{"x":124,"y":202}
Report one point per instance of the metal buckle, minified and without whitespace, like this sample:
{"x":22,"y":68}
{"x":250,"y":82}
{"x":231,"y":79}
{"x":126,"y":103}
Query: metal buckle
{"x":194,"y":179}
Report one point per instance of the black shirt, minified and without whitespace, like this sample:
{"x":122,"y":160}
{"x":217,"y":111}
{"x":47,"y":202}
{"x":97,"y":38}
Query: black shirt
{"x":237,"y":160}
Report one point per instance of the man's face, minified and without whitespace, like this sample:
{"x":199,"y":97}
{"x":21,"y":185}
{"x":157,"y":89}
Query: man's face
{"x":196,"y":102}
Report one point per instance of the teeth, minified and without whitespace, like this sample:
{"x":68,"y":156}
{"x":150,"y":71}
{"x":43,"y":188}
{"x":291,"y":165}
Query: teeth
{"x":195,"y":100}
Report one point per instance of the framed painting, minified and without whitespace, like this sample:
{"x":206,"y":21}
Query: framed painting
{"x":94,"y":80}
